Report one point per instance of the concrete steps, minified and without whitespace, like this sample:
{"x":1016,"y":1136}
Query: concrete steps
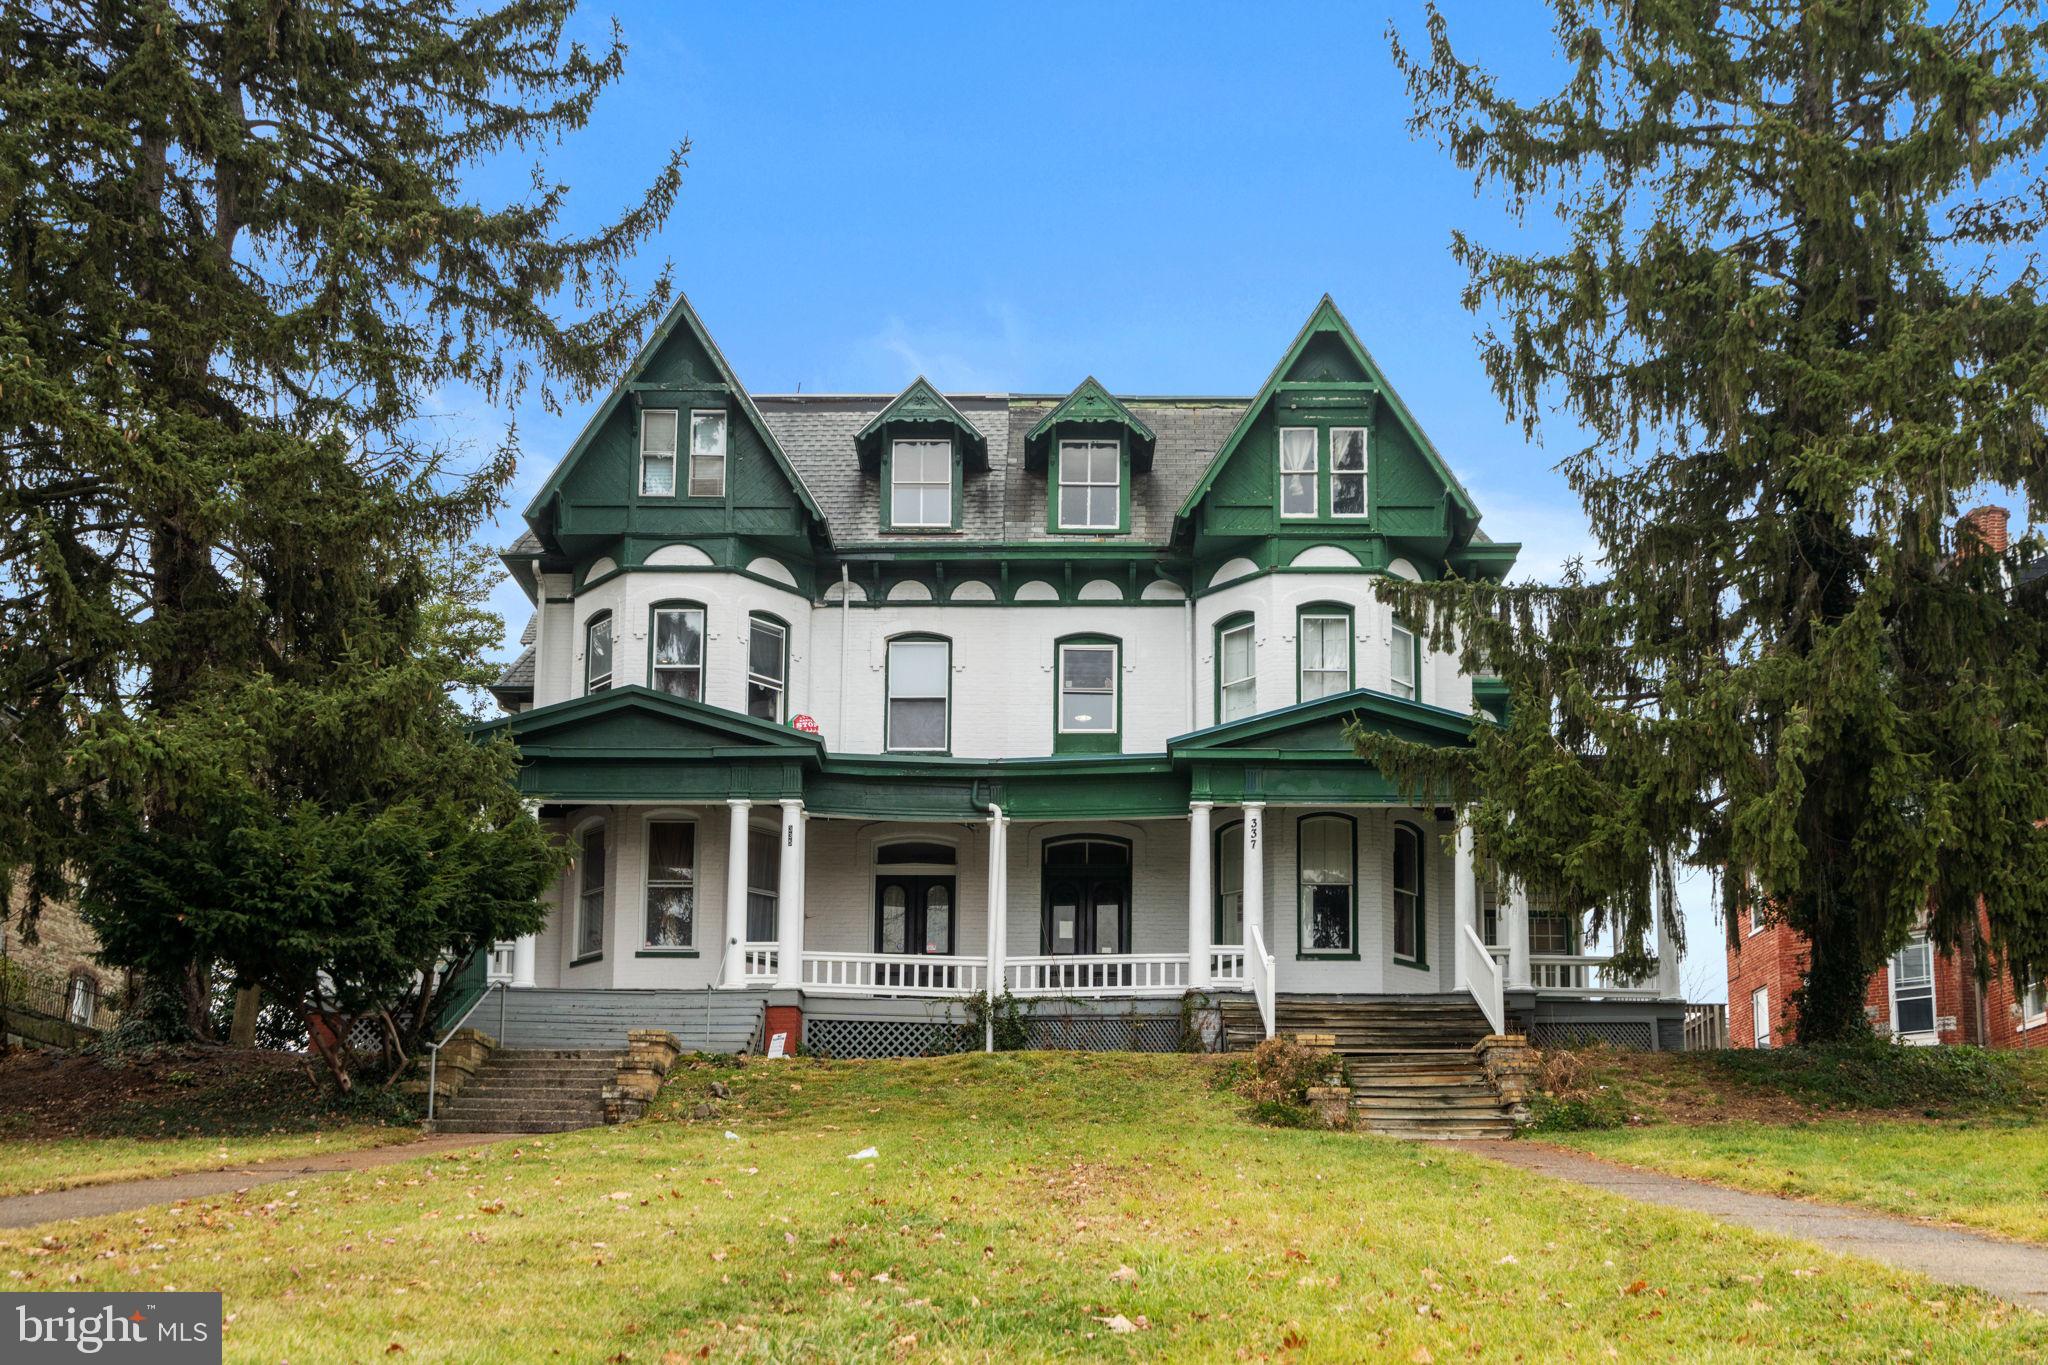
{"x":540,"y":1090}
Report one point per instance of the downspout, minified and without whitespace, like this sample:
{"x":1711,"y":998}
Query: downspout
{"x":845,"y":628}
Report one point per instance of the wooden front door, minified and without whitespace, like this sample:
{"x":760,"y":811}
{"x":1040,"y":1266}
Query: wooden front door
{"x":914,"y":915}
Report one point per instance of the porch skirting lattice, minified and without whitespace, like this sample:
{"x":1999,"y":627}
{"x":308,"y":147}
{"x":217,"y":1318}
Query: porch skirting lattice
{"x":847,"y":1039}
{"x":1105,"y":1032}
{"x":1640,"y":1034}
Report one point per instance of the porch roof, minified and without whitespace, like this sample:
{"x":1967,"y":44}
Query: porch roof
{"x":635,"y":744}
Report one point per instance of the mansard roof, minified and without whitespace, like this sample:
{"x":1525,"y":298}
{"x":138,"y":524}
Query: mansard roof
{"x":1007,"y":504}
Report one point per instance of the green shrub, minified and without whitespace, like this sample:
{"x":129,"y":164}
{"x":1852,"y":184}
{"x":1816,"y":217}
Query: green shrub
{"x":1281,"y":1114}
{"x":1601,"y":1108}
{"x":1876,"y":1073}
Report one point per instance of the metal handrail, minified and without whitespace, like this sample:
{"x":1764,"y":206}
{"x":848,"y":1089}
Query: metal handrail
{"x":434,"y":1048}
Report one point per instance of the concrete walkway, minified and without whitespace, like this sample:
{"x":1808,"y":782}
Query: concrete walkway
{"x":2007,"y":1269}
{"x":90,"y":1201}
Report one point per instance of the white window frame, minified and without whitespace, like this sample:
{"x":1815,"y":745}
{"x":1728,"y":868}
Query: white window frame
{"x":1760,"y":1017}
{"x":1314,"y":472}
{"x":772,"y":866}
{"x":675,"y":437}
{"x":781,"y":684}
{"x":1304,"y":889}
{"x":897,"y":480}
{"x":890,"y":696}
{"x":711,"y":488}
{"x":1116,"y":483}
{"x":2034,"y":1005}
{"x":655,"y":668}
{"x":592,"y":683}
{"x":1250,"y":680}
{"x":649,"y":883}
{"x":1364,"y":485}
{"x":577,"y":953}
{"x":1410,"y":908}
{"x":1301,"y":668}
{"x":1891,"y":981}
{"x":1116,"y":663}
{"x":1411,"y":657}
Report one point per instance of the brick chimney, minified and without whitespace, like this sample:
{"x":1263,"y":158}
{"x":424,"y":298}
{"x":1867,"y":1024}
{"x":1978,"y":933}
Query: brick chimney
{"x":1990,"y":524}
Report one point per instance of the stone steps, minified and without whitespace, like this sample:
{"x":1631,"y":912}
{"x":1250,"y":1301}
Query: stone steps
{"x":542,"y":1090}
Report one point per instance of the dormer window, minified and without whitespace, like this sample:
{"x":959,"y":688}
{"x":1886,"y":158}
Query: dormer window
{"x":921,"y":485}
{"x":707,"y":454}
{"x":1091,"y":485}
{"x":658,"y":453}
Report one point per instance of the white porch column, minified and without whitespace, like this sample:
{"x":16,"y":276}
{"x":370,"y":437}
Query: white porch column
{"x":1255,"y":870}
{"x":1465,"y":902}
{"x":734,"y":974}
{"x":1669,"y":986}
{"x":522,"y":960}
{"x":1517,"y":908}
{"x":998,"y":910}
{"x":789,"y":905}
{"x":1200,"y":895}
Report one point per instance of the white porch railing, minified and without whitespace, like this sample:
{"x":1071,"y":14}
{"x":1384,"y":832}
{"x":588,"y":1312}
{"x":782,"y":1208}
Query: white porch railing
{"x":1584,"y":974}
{"x":1482,"y":976}
{"x":499,"y":965}
{"x":760,"y":962}
{"x":1260,"y":973}
{"x":1100,"y":974}
{"x":1226,"y":966}
{"x":887,"y":974}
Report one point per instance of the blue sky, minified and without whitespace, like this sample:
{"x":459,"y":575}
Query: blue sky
{"x":1012,"y":199}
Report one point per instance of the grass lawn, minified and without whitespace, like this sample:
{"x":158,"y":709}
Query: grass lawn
{"x":32,"y":1165}
{"x":1026,"y":1205}
{"x":1988,"y":1174}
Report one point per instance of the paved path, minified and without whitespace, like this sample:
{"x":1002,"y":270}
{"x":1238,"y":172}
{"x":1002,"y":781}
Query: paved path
{"x":2007,"y":1269}
{"x":90,"y":1201}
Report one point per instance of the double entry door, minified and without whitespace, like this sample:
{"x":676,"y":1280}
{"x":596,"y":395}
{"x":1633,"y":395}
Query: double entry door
{"x":914,"y":917}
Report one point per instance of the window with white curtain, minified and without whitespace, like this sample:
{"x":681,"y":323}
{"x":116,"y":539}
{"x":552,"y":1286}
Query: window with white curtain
{"x":1298,"y":471}
{"x":658,"y":453}
{"x":1324,"y":648}
{"x":920,"y":690}
{"x":671,"y":884}
{"x":679,"y":651}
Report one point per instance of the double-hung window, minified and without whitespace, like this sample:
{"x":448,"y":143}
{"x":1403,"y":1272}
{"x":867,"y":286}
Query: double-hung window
{"x":1410,"y":914}
{"x":2034,"y":1005}
{"x":1236,"y":676}
{"x":920,"y":689}
{"x":1298,"y":471}
{"x":1347,"y":471}
{"x":658,"y":453}
{"x":597,"y":653}
{"x":590,"y":872}
{"x":921,"y":484}
{"x":764,"y":884}
{"x":707,"y":454}
{"x":679,"y":652}
{"x":767,"y":667}
{"x":1230,"y":885}
{"x":1091,"y":485}
{"x":671,"y":884}
{"x":1088,"y":701}
{"x":1760,"y":1016}
{"x":1324,"y":646}
{"x":1404,"y":662}
{"x":1325,"y":857}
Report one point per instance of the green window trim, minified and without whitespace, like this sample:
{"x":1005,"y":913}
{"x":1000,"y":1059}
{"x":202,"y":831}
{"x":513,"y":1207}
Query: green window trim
{"x":888,"y":487}
{"x":1065,"y":741}
{"x":703,"y":664}
{"x":889,"y":697}
{"x":781,"y":715}
{"x":1302,"y":951}
{"x":664,"y":952}
{"x":1323,"y":611}
{"x":1053,"y":485}
{"x":1420,"y":959}
{"x":1229,"y":624}
{"x":1226,"y":835}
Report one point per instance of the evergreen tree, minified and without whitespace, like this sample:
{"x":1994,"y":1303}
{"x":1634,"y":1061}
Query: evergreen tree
{"x":237,"y":256}
{"x":1796,"y":309}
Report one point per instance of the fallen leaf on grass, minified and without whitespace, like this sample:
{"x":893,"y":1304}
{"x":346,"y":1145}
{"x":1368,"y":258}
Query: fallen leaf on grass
{"x":1123,"y":1274}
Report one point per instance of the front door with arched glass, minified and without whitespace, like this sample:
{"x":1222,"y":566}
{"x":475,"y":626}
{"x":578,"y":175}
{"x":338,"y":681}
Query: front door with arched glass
{"x":1087,"y":897}
{"x":916,"y":892}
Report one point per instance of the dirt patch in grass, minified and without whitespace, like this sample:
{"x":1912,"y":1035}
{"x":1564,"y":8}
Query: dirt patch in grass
{"x":199,"y":1090}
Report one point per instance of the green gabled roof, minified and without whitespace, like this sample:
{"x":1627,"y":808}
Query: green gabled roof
{"x":921,"y":405}
{"x":723,"y":730}
{"x":1412,"y":719}
{"x":1092,"y":404}
{"x":681,"y":313}
{"x":1327,"y":318}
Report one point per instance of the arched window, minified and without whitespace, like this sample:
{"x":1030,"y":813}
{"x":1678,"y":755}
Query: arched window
{"x":1326,"y":860}
{"x":1229,"y":879}
{"x":675,"y":663}
{"x":597,"y":652}
{"x":1411,"y":913}
{"x":590,"y":878}
{"x":920,"y":694}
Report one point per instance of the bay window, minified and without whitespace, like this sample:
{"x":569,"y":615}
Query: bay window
{"x":1323,"y":649}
